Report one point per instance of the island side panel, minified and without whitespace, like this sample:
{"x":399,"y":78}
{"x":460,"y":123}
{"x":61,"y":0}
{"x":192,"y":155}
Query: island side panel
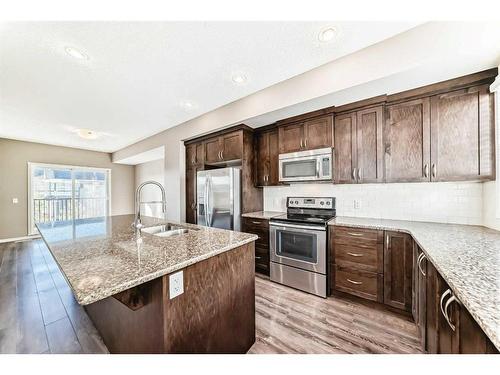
{"x":125,"y":330}
{"x":216,"y":312}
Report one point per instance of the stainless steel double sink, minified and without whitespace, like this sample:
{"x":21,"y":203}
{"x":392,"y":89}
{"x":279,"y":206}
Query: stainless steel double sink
{"x":167,"y":230}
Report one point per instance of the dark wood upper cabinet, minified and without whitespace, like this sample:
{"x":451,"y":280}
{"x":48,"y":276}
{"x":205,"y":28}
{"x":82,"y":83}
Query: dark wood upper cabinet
{"x":345,"y":149}
{"x":308,"y":135}
{"x":359,"y":146}
{"x":398,"y":270}
{"x":462,"y":133}
{"x":267,"y":163}
{"x":194,"y":155}
{"x":212,"y":150}
{"x":291,"y":138}
{"x":226,"y":147}
{"x":318,"y":133}
{"x":369,"y":145}
{"x":232,"y":146}
{"x":407,"y":141}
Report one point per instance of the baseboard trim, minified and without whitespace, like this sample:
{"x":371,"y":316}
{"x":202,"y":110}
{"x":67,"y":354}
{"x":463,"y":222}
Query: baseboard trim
{"x":35,"y":236}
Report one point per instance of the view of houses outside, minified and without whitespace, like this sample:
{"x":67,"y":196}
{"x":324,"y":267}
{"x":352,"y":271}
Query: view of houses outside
{"x":54,"y":199}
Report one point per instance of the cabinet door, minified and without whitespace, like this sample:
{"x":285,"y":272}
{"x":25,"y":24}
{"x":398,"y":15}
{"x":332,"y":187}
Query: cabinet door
{"x":273,"y":165}
{"x":191,"y":195}
{"x":432,"y":309}
{"x":212,"y":150}
{"x":190,"y":155}
{"x":369,"y":145}
{"x":232,"y":146}
{"x":345,"y":149}
{"x":398,"y":266}
{"x":291,"y":138}
{"x":318,"y":133}
{"x":407,"y":141}
{"x":462,"y":141}
{"x":262,"y":165}
{"x":199,"y":155}
{"x":421,"y":296}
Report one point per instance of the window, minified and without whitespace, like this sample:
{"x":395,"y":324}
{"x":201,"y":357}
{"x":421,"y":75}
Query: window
{"x":60,"y":193}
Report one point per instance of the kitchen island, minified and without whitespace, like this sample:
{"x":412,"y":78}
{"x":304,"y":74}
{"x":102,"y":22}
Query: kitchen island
{"x":124,"y":282}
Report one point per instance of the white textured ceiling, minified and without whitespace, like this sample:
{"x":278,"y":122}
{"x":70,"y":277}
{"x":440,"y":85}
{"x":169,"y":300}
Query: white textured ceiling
{"x":138,"y":73}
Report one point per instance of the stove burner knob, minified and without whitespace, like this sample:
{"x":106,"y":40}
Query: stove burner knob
{"x":296,"y":202}
{"x":328,"y":203}
{"x":322,"y":203}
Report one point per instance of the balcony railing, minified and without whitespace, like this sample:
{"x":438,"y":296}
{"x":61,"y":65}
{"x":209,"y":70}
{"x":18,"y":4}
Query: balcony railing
{"x":60,"y":209}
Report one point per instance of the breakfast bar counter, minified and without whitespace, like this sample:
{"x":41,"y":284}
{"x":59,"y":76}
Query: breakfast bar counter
{"x":123,"y":279}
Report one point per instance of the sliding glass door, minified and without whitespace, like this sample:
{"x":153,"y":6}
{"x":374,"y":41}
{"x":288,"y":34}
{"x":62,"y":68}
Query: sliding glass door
{"x":62,"y":193}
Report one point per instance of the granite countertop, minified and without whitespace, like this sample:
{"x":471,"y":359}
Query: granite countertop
{"x":466,"y":256}
{"x":101,"y":257}
{"x":263,"y":214}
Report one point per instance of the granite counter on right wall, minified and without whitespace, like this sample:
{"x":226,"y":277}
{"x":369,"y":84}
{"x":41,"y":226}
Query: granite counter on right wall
{"x":466,"y":256}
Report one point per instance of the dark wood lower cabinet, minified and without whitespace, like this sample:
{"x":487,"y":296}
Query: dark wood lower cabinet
{"x":215,"y":314}
{"x":191,"y":209}
{"x":398,"y":270}
{"x":450,"y":328}
{"x":260,"y":227}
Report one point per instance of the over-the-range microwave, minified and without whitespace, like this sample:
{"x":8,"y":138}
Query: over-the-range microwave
{"x":306,"y":166}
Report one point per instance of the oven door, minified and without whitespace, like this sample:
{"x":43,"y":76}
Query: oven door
{"x":298,"y":246}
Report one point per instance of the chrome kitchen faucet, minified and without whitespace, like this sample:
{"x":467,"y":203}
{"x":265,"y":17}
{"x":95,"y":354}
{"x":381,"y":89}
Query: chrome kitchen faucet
{"x":137,"y":224}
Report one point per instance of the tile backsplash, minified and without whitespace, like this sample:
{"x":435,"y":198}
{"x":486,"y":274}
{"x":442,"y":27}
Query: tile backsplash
{"x":445,"y":202}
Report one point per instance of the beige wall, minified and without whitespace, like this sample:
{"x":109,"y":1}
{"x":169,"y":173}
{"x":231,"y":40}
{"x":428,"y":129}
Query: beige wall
{"x":14,"y":158}
{"x":150,"y":171}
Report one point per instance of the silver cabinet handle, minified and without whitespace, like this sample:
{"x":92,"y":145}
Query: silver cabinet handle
{"x":256,"y":222}
{"x":421,"y":257}
{"x":258,"y":257}
{"x":301,"y":143}
{"x":452,"y":298}
{"x":426,"y":170}
{"x":354,"y":282}
{"x":359,"y":173}
{"x":354,"y":174}
{"x":305,"y":142}
{"x":222,"y":155}
{"x":355,"y":254}
{"x":355,"y":234}
{"x":434,"y":170}
{"x":441,"y":301}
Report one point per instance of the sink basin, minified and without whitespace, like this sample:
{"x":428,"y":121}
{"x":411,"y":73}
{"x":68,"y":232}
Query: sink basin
{"x":166,"y":230}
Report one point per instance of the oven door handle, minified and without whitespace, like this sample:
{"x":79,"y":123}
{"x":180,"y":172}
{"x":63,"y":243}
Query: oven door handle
{"x":313,"y":229}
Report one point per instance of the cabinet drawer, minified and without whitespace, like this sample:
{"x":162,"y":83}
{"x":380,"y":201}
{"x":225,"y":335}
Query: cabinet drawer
{"x":250,"y":222}
{"x":357,"y":236}
{"x":261,"y":250}
{"x":360,"y":283}
{"x":363,"y":258}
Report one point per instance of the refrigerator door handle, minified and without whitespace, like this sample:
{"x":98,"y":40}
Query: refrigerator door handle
{"x":205,"y":201}
{"x":209,"y":208}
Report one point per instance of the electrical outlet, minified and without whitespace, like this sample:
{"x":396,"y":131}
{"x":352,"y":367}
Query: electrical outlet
{"x":15,"y":200}
{"x":176,"y":284}
{"x":357,"y":204}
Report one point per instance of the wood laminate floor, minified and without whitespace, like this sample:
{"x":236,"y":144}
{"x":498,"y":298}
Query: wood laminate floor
{"x":38,"y":314}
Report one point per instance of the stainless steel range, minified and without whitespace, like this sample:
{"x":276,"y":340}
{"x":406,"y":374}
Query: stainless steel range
{"x":298,"y":244}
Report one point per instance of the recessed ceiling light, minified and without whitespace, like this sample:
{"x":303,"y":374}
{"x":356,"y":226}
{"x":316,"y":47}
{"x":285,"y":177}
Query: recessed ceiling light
{"x":187,"y":105}
{"x":87,"y":133}
{"x":239,"y":78}
{"x":328,"y":34}
{"x":73,"y":52}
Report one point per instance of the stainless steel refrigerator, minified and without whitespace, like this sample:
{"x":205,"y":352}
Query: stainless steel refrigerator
{"x":219,"y":198}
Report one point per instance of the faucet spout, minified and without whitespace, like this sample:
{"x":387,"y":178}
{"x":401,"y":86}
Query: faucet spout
{"x":137,"y":220}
